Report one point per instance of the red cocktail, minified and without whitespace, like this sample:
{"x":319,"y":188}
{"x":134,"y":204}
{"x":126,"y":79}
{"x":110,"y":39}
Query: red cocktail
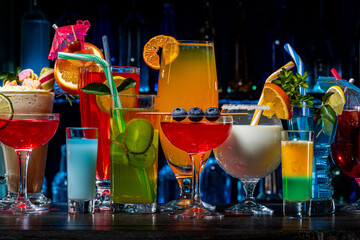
{"x":33,"y":133}
{"x":24,"y":132}
{"x":196,"y":138}
{"x":345,"y":148}
{"x":95,"y":112}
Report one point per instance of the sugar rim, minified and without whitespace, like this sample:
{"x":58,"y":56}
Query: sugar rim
{"x":244,"y":107}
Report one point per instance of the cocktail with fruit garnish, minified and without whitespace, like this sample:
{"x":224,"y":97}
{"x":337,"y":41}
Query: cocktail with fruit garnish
{"x":345,"y":149}
{"x":249,"y":154}
{"x":196,"y":134}
{"x":95,"y":112}
{"x":134,"y":154}
{"x":187,"y":76}
{"x":24,"y":132}
{"x":29,"y":93}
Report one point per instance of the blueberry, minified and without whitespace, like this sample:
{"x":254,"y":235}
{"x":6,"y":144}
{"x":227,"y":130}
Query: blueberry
{"x":212,"y":114}
{"x":179,"y":114}
{"x":196,"y":114}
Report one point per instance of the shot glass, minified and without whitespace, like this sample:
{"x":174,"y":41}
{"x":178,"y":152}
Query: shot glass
{"x":297,"y":161}
{"x":134,"y":155}
{"x":81,"y":150}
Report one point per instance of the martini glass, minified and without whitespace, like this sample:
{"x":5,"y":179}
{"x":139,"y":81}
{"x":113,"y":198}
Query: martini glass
{"x":249,"y":154}
{"x":345,"y":149}
{"x":196,"y":138}
{"x":24,"y":132}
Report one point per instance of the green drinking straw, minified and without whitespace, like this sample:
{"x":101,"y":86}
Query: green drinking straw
{"x":117,"y":103}
{"x":109,"y":77}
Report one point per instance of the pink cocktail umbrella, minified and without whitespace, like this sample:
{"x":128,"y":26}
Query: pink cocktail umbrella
{"x":65,"y":34}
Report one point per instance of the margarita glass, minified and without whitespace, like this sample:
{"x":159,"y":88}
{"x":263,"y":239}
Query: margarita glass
{"x":196,"y":138}
{"x":24,"y":132}
{"x":345,"y":149}
{"x":250,"y":153}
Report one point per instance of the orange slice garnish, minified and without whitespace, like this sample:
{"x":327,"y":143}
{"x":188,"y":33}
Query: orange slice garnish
{"x":277,"y":100}
{"x":67,"y":73}
{"x":170,"y":50}
{"x":104,"y":102}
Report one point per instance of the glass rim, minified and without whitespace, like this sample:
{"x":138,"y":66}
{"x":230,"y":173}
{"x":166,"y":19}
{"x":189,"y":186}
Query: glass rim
{"x":297,"y":131}
{"x":26,"y":92}
{"x":196,"y":42}
{"x":82,"y":128}
{"x":138,"y":95}
{"x":30,"y":114}
{"x":131,"y":69}
{"x":98,"y":68}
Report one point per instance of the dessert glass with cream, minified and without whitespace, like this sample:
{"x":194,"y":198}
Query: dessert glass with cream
{"x":27,"y":100}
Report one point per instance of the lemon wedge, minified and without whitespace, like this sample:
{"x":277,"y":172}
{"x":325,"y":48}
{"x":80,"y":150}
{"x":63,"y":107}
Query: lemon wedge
{"x":336,"y":100}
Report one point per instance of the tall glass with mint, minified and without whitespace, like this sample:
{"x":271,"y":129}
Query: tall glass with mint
{"x":134,"y":155}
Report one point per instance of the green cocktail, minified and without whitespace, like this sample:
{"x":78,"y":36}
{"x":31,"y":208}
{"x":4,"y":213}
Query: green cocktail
{"x":297,"y":188}
{"x":134,"y":157}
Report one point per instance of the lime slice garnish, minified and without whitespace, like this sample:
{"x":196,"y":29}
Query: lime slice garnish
{"x":6,"y":110}
{"x":143,"y":160}
{"x":138,"y":136}
{"x":119,"y":153}
{"x":5,"y":104}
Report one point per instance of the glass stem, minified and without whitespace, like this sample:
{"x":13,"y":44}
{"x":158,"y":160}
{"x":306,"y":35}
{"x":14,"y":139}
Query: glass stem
{"x":23,"y":165}
{"x":249,"y":187}
{"x":186,"y":190}
{"x":196,"y":165}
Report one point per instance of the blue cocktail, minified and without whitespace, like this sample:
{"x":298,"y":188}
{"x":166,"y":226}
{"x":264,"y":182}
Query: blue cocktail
{"x":81,"y":168}
{"x":306,"y":118}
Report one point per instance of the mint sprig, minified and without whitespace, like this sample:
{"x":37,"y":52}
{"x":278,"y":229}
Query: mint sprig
{"x":11,"y":75}
{"x":291,"y":84}
{"x":103,"y":89}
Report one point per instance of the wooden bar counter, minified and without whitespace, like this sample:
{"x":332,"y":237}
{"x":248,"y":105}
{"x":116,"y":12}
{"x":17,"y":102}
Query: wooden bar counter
{"x":59,"y":225}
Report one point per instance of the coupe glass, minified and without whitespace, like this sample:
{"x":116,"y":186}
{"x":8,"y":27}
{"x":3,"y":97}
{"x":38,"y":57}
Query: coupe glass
{"x":196,"y":138}
{"x":24,"y":132}
{"x":345,"y":149}
{"x":189,"y":78}
{"x":250,"y":153}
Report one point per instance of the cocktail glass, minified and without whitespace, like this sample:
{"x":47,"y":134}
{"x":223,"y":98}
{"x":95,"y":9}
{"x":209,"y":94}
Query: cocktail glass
{"x":28,"y":102}
{"x":345,"y":149}
{"x":196,"y":138}
{"x":194,"y":66}
{"x":134,"y":155}
{"x":307,"y":118}
{"x":95,"y":112}
{"x":24,"y":132}
{"x":250,"y":153}
{"x":296,"y":163}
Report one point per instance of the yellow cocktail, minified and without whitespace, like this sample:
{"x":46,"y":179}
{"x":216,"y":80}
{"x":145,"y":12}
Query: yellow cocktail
{"x":297,"y":159}
{"x":188,"y":81}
